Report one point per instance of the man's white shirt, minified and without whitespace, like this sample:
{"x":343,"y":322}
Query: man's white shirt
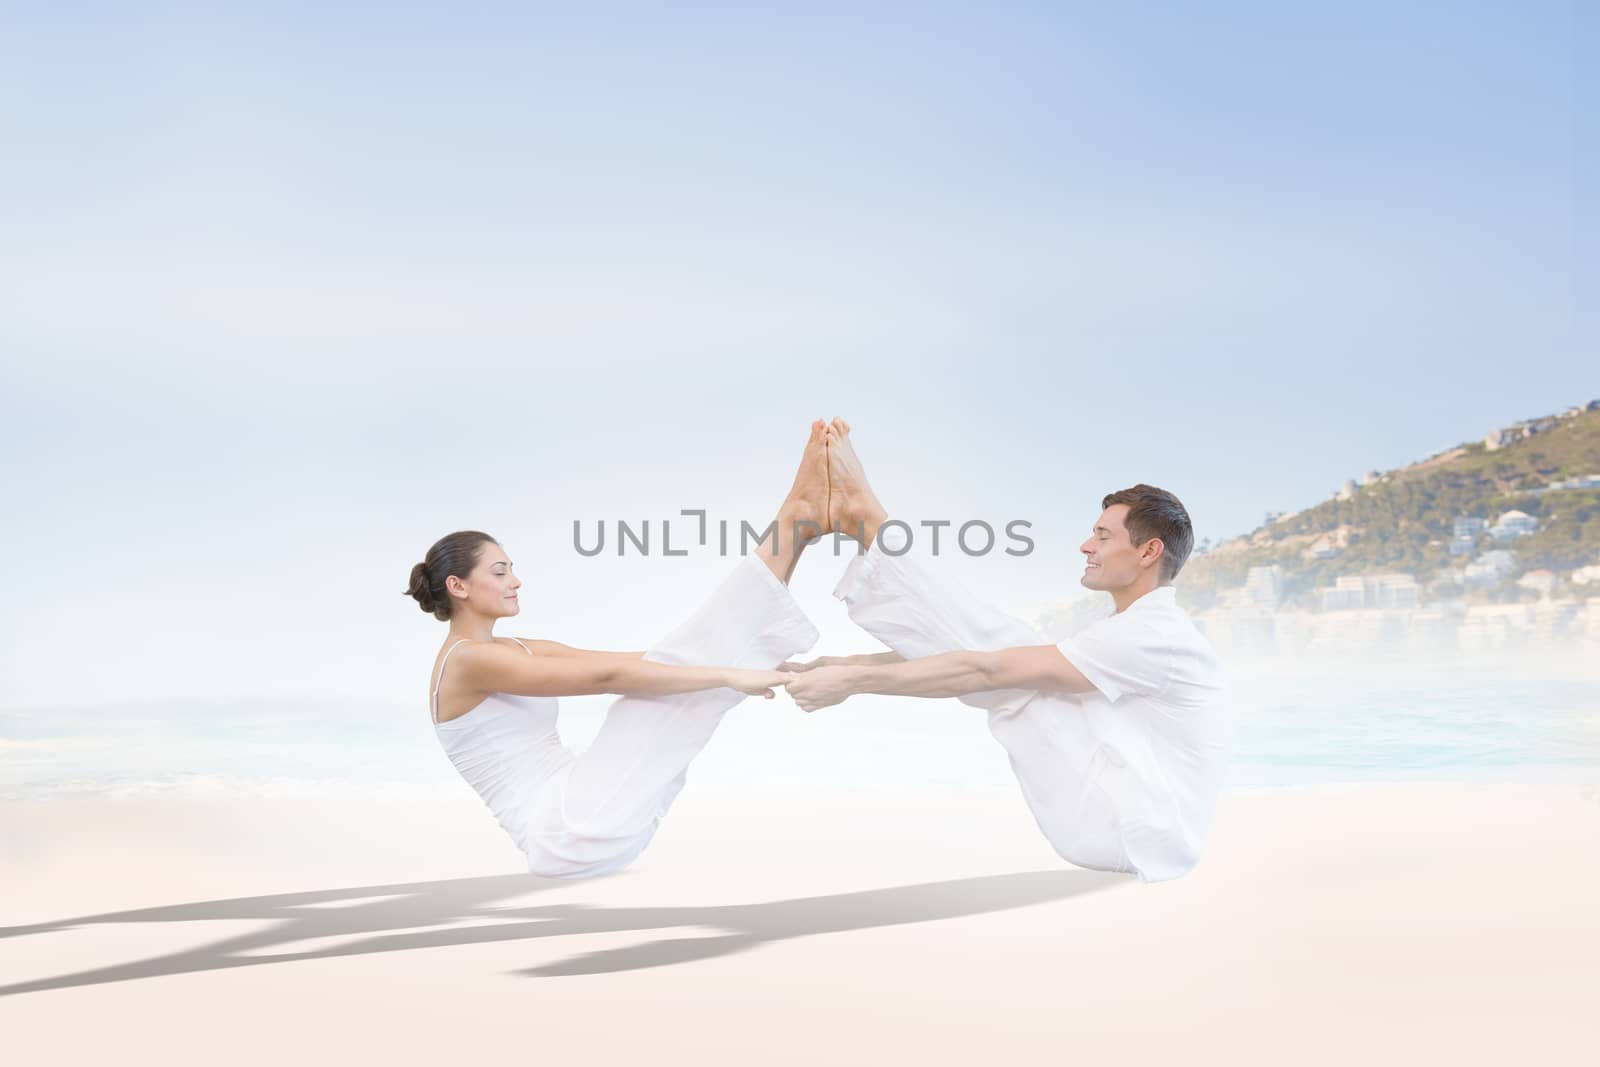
{"x":1162,"y":713}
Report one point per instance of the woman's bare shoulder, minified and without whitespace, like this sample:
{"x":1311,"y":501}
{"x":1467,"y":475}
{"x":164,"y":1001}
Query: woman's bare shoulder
{"x":541,"y":646}
{"x":467,"y":656}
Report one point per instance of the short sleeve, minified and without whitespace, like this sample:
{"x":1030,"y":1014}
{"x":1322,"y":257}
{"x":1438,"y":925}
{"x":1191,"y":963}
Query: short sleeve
{"x":1121,"y":655}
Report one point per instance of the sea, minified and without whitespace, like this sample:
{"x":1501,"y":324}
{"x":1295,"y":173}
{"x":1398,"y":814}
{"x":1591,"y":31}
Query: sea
{"x":1298,"y":722}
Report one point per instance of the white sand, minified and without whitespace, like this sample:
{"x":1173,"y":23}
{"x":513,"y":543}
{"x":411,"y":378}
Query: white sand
{"x":1385,"y":924}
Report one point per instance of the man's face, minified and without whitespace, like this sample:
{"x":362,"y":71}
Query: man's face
{"x":1111,"y":558}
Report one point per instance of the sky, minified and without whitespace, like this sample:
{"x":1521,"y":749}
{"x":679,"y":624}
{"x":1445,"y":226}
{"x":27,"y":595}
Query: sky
{"x":288,"y":293}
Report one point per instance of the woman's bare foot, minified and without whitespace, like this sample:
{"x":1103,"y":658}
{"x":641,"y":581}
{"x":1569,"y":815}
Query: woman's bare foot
{"x":853,"y":507}
{"x":803,"y":516}
{"x":807,"y":503}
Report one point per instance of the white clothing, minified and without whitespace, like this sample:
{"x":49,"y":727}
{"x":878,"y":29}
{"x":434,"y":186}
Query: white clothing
{"x":594,"y":813}
{"x":501,"y":745}
{"x":1162,"y":709}
{"x":1120,"y":779}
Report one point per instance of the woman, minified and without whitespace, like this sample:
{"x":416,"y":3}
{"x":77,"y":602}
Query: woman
{"x":494,"y":698}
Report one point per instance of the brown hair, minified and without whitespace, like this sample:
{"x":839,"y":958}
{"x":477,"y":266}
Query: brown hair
{"x":1156,"y":513}
{"x":456,"y":554}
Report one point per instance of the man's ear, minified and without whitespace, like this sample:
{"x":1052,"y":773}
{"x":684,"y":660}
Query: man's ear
{"x":1152,"y":552}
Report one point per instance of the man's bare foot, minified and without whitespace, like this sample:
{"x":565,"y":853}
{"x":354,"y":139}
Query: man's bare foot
{"x":807,"y":503}
{"x":853,"y":507}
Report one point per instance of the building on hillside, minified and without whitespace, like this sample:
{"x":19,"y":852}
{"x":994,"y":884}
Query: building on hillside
{"x":1464,"y":534}
{"x":1432,"y":627}
{"x":1494,"y":626}
{"x":1398,"y":591}
{"x":1582,"y":481}
{"x":1589,"y":575}
{"x":1245,"y":621}
{"x":1377,"y":591}
{"x":1323,"y":548}
{"x":1263,"y":587}
{"x":1540,"y":581}
{"x":1500,"y":438}
{"x":1556,"y":620}
{"x":1347,"y":491}
{"x":1491,"y":568}
{"x":1512,"y":525}
{"x":1348,"y":593}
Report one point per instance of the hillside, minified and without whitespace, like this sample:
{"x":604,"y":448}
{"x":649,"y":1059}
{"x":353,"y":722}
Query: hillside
{"x":1403,"y":520}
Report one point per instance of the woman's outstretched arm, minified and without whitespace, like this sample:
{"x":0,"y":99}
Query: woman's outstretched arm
{"x":556,"y":648}
{"x":496,"y":669}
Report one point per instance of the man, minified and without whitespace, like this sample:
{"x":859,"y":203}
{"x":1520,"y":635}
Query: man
{"x":1118,"y":735}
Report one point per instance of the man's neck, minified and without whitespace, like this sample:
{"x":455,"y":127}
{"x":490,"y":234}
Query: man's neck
{"x":1125,"y":596}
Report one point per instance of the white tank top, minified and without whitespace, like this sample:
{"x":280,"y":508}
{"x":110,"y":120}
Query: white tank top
{"x":504,"y":747}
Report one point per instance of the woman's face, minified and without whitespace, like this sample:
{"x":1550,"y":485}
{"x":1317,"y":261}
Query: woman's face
{"x":491,"y":587}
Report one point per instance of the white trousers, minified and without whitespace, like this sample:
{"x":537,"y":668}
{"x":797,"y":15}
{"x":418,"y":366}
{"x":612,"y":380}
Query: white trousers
{"x":918,"y":611}
{"x":600,"y":809}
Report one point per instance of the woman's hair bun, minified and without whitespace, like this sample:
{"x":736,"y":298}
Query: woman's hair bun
{"x":456,"y":554}
{"x":419,"y":588}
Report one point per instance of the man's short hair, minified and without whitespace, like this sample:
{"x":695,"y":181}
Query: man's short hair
{"x":1157,"y":513}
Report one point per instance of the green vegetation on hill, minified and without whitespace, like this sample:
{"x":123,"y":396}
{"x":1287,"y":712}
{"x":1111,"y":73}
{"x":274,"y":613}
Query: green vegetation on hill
{"x":1404,"y":521}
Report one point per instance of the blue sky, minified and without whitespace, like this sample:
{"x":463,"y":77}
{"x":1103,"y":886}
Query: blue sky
{"x":287,"y":294}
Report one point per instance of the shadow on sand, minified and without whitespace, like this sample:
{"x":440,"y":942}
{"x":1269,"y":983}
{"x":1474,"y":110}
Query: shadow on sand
{"x":409,"y":916}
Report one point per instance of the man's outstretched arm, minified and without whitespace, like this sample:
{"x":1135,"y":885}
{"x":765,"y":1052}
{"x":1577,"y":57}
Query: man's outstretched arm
{"x":860,"y":660}
{"x":949,"y":674}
